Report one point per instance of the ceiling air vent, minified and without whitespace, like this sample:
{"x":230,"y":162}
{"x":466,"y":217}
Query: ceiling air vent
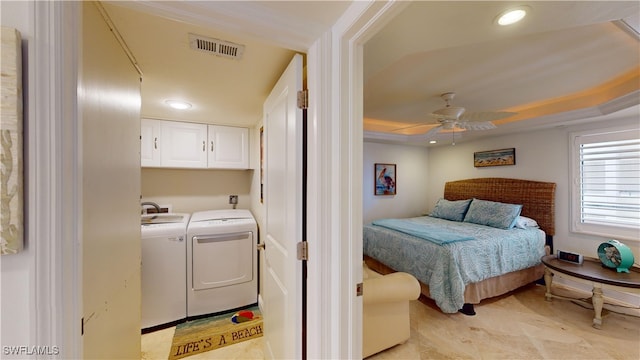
{"x":216,"y":47}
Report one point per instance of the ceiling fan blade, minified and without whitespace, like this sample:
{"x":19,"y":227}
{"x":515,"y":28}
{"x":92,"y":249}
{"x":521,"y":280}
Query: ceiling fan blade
{"x":476,"y":125}
{"x":433,"y":131}
{"x":485,"y":115}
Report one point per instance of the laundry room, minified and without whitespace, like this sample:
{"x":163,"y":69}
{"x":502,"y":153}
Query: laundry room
{"x":201,"y":135}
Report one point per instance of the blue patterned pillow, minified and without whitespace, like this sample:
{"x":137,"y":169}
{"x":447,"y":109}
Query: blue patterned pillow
{"x":491,"y":213}
{"x":451,"y":210}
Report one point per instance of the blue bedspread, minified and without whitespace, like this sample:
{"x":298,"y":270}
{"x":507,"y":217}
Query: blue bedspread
{"x":423,"y":230}
{"x":449,"y":267}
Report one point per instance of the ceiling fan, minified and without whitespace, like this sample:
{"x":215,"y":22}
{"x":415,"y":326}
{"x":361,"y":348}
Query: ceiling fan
{"x":451,"y":117}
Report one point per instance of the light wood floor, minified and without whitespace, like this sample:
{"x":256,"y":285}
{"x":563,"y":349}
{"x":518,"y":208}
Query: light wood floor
{"x":520,"y":325}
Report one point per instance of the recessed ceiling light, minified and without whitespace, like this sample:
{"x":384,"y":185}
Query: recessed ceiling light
{"x":432,"y":142}
{"x":512,"y":15}
{"x":176,"y":104}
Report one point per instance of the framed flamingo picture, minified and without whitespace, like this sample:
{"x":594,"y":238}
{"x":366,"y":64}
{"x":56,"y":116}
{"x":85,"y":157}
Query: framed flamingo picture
{"x":385,"y":179}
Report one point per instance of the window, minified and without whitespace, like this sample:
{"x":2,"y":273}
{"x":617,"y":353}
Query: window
{"x":606,"y":183}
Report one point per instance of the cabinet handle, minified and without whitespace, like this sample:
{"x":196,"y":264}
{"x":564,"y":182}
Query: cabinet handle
{"x":212,"y":146}
{"x":155,"y":143}
{"x":204,"y":146}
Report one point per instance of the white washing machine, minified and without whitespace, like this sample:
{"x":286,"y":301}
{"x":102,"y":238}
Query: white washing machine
{"x":164,"y":269}
{"x":222,"y":269}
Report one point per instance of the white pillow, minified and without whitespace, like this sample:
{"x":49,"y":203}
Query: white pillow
{"x":523,"y":222}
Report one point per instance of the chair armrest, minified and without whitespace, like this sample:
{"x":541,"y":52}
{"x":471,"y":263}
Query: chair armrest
{"x":392,"y":287}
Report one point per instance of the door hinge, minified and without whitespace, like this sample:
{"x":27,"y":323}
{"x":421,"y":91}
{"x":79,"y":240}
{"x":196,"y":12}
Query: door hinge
{"x":303,"y":99}
{"x":359,"y":289}
{"x":303,"y":250}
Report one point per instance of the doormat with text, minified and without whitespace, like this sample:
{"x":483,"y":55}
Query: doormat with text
{"x":206,"y":334}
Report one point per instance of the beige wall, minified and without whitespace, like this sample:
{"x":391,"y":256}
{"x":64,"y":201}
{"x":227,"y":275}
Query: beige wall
{"x":412,"y":163}
{"x":109,"y":102}
{"x":188,"y":190}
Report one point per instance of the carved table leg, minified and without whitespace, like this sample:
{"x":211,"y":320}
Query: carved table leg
{"x":597,"y":301}
{"x":548,"y":276}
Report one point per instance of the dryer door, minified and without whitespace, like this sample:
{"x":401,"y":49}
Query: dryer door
{"x":221,"y":260}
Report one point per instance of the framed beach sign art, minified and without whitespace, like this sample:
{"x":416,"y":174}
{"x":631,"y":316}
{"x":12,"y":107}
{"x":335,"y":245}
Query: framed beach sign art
{"x":494,"y":157}
{"x":385,"y":179}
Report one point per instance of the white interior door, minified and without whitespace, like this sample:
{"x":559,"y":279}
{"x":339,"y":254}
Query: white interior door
{"x":110,"y":193}
{"x":282,"y":291}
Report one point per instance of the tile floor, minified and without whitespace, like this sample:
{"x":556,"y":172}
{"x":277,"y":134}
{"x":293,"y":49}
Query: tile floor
{"x":520,"y":325}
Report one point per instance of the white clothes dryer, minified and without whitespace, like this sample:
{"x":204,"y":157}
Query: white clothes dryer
{"x":164,"y":269}
{"x":222,"y":269}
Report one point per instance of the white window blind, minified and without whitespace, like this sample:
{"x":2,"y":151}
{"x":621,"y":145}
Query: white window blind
{"x":608,"y":186}
{"x":609,"y":189}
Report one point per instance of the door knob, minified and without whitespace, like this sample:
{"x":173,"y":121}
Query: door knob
{"x":260,"y":246}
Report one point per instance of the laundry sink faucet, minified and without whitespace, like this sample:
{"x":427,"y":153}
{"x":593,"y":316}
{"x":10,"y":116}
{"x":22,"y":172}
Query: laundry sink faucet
{"x":150,"y":203}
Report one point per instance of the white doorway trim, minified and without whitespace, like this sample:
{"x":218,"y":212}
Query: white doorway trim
{"x":335,"y":137}
{"x":54,"y":185}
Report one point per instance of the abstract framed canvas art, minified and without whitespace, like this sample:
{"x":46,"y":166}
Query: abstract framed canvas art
{"x":11,"y":175}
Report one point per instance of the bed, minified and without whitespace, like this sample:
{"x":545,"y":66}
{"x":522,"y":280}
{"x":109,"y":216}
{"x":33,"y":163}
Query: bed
{"x":451,"y":270}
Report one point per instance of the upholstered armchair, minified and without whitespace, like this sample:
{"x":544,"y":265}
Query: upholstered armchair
{"x":385,"y":309}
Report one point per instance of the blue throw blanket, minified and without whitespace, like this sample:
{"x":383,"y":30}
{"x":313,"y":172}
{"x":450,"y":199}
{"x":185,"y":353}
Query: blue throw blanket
{"x":424,"y":231}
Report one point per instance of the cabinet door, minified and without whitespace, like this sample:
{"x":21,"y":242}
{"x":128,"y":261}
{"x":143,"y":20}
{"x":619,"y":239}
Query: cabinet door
{"x":184,"y":145}
{"x":228,"y":147}
{"x":150,"y":142}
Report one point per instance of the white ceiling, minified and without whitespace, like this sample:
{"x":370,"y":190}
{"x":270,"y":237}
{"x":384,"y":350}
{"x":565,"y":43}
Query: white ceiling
{"x":558,"y":63}
{"x":566,"y":61}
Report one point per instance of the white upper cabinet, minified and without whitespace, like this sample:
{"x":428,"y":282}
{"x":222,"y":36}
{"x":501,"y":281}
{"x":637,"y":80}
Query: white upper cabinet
{"x":149,"y":142}
{"x":228,"y":147}
{"x":184,"y":145}
{"x":175,"y":144}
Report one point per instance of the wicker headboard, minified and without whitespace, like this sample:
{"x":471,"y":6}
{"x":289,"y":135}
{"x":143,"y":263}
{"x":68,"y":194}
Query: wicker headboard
{"x":537,"y":198}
